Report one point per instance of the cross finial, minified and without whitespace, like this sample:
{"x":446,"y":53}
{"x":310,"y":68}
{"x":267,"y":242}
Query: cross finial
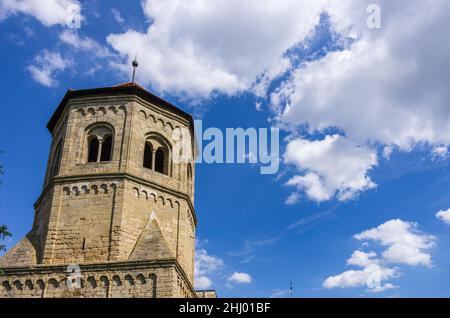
{"x":135,"y":64}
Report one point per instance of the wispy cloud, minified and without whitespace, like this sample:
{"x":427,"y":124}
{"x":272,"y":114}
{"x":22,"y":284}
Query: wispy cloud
{"x":280,"y":293}
{"x":46,"y":65}
{"x":117,"y":16}
{"x":314,"y":217}
{"x":249,"y":251}
{"x":84,"y":43}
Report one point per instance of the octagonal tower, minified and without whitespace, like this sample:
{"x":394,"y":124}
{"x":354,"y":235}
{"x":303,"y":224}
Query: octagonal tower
{"x":114,"y":202}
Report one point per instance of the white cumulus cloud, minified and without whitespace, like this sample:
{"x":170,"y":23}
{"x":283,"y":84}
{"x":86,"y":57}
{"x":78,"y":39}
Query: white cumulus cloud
{"x":203,"y":46}
{"x":48,"y":12}
{"x":401,"y":242}
{"x":364,"y":277}
{"x":362,"y":259}
{"x":240,"y":278}
{"x":202,"y":282}
{"x":388,"y":85}
{"x":404,"y":244}
{"x":444,"y":216}
{"x":204,"y":265}
{"x":332,"y":166}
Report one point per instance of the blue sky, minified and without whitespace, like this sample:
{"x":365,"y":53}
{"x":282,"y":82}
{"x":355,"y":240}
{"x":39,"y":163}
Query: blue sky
{"x":364,"y":116}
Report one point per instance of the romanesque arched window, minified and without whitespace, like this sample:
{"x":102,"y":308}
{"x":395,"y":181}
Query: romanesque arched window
{"x":100,"y":144}
{"x":157,"y":154}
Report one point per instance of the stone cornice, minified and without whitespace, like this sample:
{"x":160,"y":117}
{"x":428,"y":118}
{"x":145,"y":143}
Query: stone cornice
{"x":97,"y":267}
{"x":116,"y":176}
{"x":131,"y":90}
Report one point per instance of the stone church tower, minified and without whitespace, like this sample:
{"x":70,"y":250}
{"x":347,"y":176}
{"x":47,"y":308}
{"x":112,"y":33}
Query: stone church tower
{"x":114,"y":204}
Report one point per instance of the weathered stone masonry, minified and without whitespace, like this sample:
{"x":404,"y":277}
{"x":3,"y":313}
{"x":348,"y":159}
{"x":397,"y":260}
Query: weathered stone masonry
{"x":129,"y":224}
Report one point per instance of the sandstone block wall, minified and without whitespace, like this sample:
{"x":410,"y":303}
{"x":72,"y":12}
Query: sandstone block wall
{"x":108,"y":280}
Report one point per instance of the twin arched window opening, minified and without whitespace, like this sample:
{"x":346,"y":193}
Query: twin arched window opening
{"x":156,"y":158}
{"x":100,"y":150}
{"x":100,"y":145}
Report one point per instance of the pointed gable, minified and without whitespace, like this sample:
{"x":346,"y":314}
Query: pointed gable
{"x":152,"y":243}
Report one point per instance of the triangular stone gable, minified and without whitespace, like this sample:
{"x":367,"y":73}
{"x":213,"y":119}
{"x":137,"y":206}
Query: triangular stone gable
{"x":152,"y":243}
{"x":23,"y":253}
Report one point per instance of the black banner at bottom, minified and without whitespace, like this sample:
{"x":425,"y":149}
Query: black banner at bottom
{"x":222,"y":307}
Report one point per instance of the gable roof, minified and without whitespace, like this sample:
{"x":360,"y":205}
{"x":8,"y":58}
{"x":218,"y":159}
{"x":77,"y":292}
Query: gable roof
{"x":128,"y":88}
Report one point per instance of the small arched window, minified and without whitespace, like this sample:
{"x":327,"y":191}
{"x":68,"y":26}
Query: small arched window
{"x":148,"y":156}
{"x":157,"y":154}
{"x":100,"y":144}
{"x":160,"y":161}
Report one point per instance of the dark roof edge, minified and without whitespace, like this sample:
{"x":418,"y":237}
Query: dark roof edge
{"x":119,"y":90}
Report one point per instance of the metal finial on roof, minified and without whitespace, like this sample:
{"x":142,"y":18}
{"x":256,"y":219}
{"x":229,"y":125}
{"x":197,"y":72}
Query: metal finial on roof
{"x":135,"y":64}
{"x":291,"y":289}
